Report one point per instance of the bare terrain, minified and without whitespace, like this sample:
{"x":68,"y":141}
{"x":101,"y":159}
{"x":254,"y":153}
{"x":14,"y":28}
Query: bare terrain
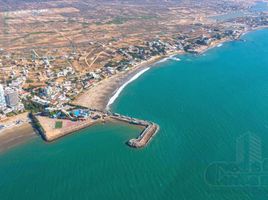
{"x":94,"y":30}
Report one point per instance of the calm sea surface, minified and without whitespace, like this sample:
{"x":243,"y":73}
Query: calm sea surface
{"x":213,"y":114}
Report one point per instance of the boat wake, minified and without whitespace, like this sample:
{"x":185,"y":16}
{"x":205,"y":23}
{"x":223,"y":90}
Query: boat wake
{"x":115,"y":96}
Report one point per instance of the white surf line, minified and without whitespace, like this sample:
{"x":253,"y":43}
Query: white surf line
{"x":163,"y":60}
{"x":115,"y":96}
{"x":175,"y":59}
{"x":172,"y":57}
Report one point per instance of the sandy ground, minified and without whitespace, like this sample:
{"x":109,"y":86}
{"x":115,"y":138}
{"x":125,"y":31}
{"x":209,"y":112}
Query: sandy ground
{"x":12,"y":137}
{"x":22,"y":116}
{"x":16,"y":134}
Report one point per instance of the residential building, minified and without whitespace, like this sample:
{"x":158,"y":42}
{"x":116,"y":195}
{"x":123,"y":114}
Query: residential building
{"x":2,"y":97}
{"x":12,"y":97}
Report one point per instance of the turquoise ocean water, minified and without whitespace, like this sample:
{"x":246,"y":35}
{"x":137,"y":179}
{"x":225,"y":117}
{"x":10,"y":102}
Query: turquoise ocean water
{"x":204,"y":105}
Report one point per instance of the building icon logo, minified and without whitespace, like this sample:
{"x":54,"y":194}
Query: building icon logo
{"x":248,"y":170}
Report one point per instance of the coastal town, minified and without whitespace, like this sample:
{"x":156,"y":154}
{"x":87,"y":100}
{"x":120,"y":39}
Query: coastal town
{"x":64,"y":87}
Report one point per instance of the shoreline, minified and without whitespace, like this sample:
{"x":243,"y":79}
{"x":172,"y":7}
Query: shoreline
{"x":108,"y":90}
{"x":104,"y":93}
{"x":119,"y":90}
{"x":11,"y":138}
{"x":15,"y":133}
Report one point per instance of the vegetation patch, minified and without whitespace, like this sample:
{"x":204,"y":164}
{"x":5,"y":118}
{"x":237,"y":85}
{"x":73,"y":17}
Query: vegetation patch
{"x":58,"y":124}
{"x":41,"y":32}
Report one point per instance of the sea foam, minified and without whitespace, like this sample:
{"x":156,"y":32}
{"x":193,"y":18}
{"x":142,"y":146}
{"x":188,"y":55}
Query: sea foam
{"x":163,"y":60}
{"x":168,"y":58}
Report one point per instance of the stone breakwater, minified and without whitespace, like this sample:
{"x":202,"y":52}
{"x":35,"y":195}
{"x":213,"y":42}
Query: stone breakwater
{"x":145,"y":136}
{"x":150,"y":129}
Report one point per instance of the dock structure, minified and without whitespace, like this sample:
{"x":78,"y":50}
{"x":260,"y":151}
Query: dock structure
{"x":145,"y":136}
{"x":50,"y":131}
{"x":150,"y":129}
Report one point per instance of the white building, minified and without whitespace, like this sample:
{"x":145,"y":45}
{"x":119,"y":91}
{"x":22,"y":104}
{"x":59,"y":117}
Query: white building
{"x":12,"y":97}
{"x":2,"y":97}
{"x":47,"y":91}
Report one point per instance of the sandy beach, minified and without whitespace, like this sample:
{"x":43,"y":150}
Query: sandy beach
{"x":18,"y":135}
{"x":15,"y":134}
{"x":98,"y":96}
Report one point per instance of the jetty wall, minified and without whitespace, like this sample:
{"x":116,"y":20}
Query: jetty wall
{"x":150,"y":129}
